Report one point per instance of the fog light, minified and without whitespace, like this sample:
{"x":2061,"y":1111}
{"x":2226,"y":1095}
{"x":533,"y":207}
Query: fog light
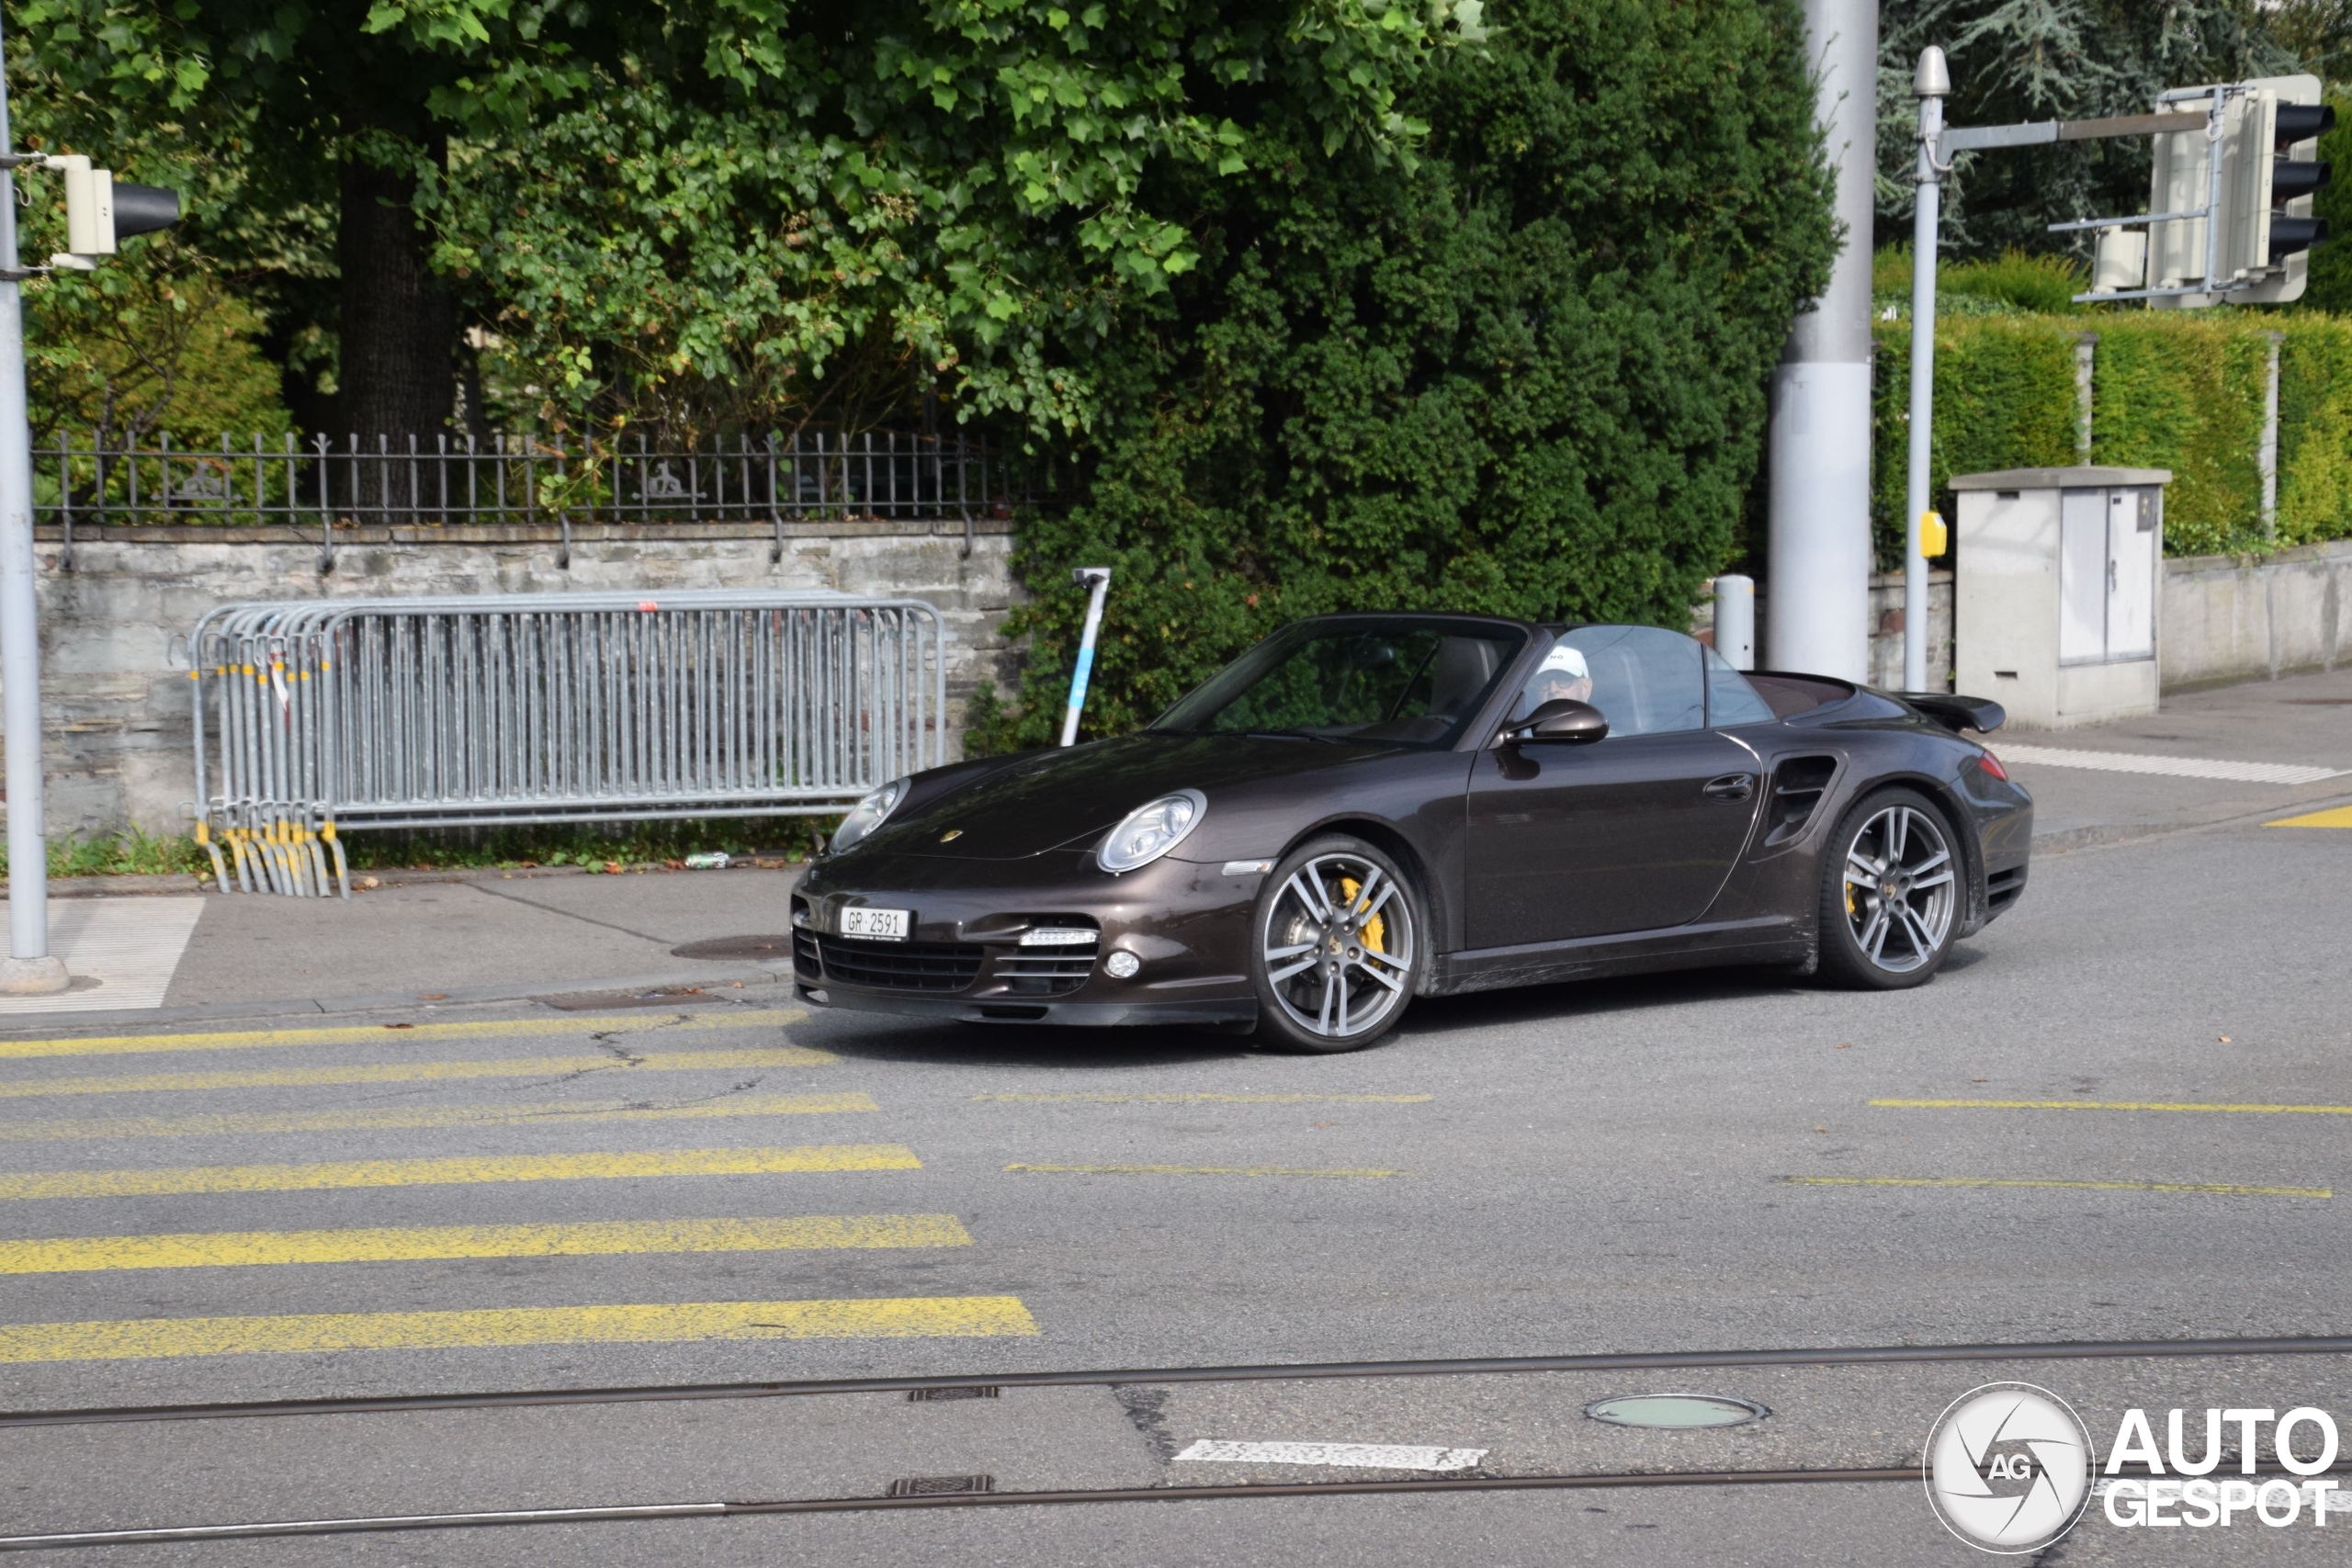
{"x":1122,"y":965}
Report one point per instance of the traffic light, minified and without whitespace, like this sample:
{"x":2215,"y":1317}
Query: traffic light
{"x":99,"y":212}
{"x":2269,"y":169}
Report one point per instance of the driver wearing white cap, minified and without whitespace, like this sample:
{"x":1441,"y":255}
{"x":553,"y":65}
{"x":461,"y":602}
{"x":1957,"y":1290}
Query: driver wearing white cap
{"x":1563,"y":674}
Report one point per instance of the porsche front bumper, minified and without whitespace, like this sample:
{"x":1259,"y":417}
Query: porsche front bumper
{"x":1185,"y":923}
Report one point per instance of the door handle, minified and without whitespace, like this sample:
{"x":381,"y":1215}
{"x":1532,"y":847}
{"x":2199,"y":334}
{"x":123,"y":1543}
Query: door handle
{"x":1731,"y":786}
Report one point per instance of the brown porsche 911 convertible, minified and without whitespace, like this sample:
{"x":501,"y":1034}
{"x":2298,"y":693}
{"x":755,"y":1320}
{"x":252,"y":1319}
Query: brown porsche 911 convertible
{"x":1366,"y":809}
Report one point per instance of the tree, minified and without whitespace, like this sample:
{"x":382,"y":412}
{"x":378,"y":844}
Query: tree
{"x":616,"y":182}
{"x":2026,"y":60}
{"x":1526,"y":375}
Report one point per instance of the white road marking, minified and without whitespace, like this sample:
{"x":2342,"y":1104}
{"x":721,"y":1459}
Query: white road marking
{"x":2173,"y":767}
{"x":1353,"y":1455}
{"x":131,"y":947}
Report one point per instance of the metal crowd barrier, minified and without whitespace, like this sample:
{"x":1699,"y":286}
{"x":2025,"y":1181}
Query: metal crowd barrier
{"x":315,"y":718}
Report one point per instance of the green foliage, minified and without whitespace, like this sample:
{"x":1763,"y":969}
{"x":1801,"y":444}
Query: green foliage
{"x":2042,"y":283}
{"x":129,"y":854}
{"x":1525,"y":374}
{"x":2029,"y":60}
{"x":2170,"y":390}
{"x":2005,"y":399}
{"x":593,"y":846}
{"x":990,"y":728}
{"x":802,"y":219}
{"x":175,"y":332}
{"x":2013,"y":283}
{"x":2316,"y":430}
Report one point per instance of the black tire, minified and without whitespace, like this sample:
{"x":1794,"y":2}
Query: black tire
{"x":1893,"y":888}
{"x":1313,"y":959}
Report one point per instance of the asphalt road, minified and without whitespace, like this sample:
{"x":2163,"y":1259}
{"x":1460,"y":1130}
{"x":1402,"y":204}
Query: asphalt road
{"x":513,"y":1198}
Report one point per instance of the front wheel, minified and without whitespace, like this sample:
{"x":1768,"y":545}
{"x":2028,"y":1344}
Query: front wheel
{"x":1336,"y":947}
{"x":1890,"y":893}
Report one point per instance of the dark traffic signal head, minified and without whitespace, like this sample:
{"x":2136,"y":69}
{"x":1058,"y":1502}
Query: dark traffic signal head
{"x":143,"y":210}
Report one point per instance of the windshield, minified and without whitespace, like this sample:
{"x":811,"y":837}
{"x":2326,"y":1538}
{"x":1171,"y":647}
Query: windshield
{"x":1404,"y":681}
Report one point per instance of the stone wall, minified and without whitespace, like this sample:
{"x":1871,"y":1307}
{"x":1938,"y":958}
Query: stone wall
{"x":116,"y":691}
{"x":2255,"y":618}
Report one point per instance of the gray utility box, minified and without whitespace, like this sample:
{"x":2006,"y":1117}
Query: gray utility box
{"x":2055,"y":592}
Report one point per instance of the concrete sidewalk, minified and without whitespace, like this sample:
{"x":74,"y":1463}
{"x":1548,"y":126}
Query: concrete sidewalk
{"x":2305,"y":721}
{"x":449,"y":939}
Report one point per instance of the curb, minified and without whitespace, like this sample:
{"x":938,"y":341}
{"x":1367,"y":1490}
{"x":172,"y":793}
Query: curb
{"x":717,"y":988}
{"x":2099,"y":835}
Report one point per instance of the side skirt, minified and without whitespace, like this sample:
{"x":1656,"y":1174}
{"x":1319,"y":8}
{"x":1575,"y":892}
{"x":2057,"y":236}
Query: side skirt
{"x":1773,"y":939}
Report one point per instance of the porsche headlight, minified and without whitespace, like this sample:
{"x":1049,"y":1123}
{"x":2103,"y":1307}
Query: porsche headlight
{"x":1150,"y":831}
{"x":868,"y":814}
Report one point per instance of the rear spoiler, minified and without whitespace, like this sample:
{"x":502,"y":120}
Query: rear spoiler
{"x":1956,"y":714}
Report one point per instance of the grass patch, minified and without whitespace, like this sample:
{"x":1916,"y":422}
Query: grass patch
{"x":597,"y":846}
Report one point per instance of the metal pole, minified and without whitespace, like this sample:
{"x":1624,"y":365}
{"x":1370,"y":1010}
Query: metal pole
{"x":2269,"y":458}
{"x":1099,"y":578}
{"x":1930,"y":85}
{"x":2085,"y":365}
{"x":1820,"y":463}
{"x":1735,"y":620}
{"x":30,"y":968}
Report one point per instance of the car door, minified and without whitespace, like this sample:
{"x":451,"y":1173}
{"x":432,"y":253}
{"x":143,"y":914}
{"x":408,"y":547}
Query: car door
{"x":1636,"y":831}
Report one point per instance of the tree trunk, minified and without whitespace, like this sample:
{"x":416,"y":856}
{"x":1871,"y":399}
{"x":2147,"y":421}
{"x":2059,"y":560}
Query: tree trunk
{"x":396,"y":379}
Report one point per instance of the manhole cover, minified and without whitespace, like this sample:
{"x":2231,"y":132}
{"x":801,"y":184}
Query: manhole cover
{"x":940,"y":1485}
{"x":772,"y":947}
{"x":1676,"y":1410}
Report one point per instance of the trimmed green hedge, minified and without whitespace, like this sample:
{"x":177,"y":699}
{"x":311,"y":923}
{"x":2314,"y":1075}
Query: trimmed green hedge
{"x":2181,"y":390}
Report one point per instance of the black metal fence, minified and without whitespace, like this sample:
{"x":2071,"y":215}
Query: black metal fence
{"x":811,"y":475}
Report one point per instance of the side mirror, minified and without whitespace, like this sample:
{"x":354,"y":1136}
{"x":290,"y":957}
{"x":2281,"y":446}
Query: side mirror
{"x":1561,"y":719}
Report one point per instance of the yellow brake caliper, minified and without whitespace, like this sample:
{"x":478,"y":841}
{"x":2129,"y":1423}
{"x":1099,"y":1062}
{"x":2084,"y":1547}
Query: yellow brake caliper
{"x":1375,"y":930}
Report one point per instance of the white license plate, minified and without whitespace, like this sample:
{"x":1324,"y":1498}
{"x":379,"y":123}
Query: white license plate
{"x":888,"y":925}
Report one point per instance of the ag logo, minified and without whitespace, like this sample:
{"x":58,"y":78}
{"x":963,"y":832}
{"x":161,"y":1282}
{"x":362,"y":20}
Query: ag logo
{"x":2008,"y":1468}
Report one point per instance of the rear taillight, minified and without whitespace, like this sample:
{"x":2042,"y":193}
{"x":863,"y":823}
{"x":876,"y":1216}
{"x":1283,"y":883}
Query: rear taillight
{"x":1992,"y":765}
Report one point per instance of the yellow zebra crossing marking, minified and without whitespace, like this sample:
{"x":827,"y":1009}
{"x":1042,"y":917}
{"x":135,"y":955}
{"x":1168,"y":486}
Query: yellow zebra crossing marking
{"x":2335,"y":816}
{"x":221,"y":1249}
{"x":419,"y":1072}
{"x":376,"y":1034}
{"x":826,"y":1158}
{"x":552,"y":1113}
{"x":1196,"y":1170}
{"x":1173,"y":1099}
{"x":2181,"y":1105}
{"x":895,"y":1317}
{"x":2216,"y":1188}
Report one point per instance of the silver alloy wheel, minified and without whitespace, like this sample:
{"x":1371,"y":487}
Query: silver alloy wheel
{"x":1338,"y":946}
{"x":1899,"y":888}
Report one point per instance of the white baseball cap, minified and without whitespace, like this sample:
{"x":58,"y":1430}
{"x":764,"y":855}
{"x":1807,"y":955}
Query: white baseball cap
{"x":1566,"y":660}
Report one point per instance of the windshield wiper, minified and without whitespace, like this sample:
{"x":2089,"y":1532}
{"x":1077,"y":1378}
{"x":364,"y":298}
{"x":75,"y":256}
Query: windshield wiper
{"x":1293,"y":735}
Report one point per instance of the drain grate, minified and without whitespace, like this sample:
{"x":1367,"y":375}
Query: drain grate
{"x":940,"y":1485}
{"x":981,"y":1390}
{"x":778,"y":948}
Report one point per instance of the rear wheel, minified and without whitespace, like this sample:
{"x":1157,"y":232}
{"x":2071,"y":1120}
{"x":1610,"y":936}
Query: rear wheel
{"x":1336,"y":947}
{"x":1890,"y":893}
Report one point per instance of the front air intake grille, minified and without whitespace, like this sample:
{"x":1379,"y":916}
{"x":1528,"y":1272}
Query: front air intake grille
{"x":897,"y":965}
{"x":807,"y":964}
{"x":1048,"y":971}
